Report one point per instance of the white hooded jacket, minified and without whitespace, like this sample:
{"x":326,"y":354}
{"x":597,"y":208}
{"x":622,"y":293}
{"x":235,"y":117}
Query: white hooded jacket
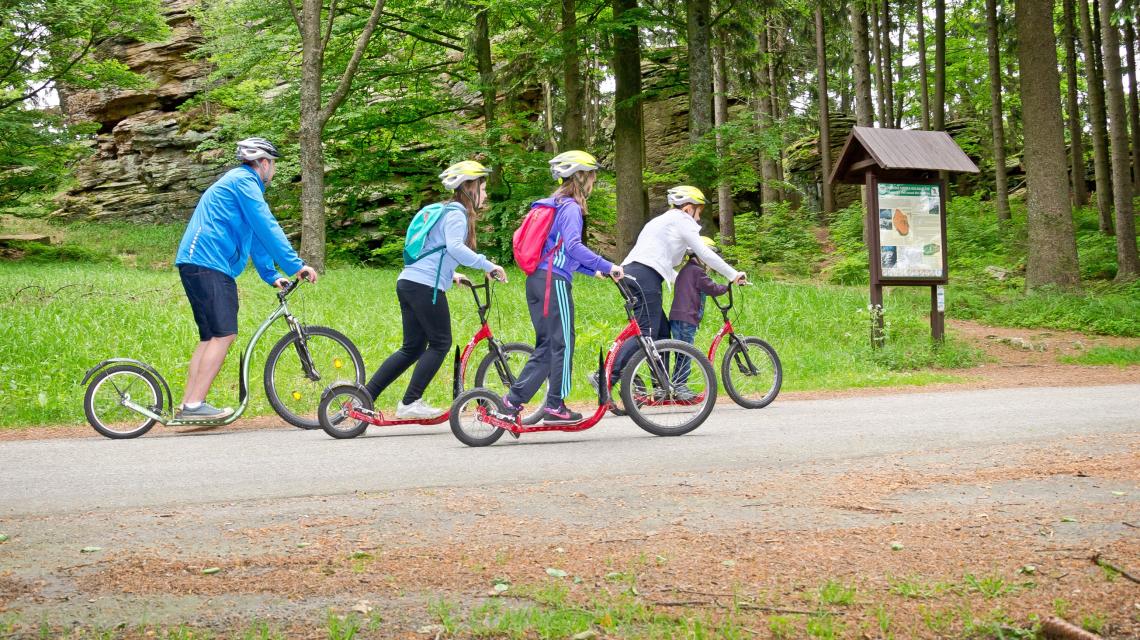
{"x":664,"y":240}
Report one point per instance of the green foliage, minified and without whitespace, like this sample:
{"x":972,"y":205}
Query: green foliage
{"x":782,"y":235}
{"x":1119,"y":356}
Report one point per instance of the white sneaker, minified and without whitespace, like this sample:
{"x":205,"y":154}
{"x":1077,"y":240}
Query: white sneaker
{"x":417,"y":410}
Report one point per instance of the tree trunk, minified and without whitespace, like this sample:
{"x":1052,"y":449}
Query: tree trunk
{"x":699,"y":19}
{"x":720,"y":117}
{"x":1127,"y":263}
{"x":548,"y":116}
{"x":824,"y":122}
{"x":777,"y":110}
{"x":572,"y":120}
{"x":1133,"y":104}
{"x":489,"y":91}
{"x":923,"y":83}
{"x":898,"y":99}
{"x":1076,"y":132}
{"x":1052,"y":243}
{"x":877,"y":57}
{"x":1096,"y":109}
{"x":1001,"y":189}
{"x":939,"y":65}
{"x":864,"y":113}
{"x":312,"y":159}
{"x":629,"y":154}
{"x":764,"y":117}
{"x":888,"y":79}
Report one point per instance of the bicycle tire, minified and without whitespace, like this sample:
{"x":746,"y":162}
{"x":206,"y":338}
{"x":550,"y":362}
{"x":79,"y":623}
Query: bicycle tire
{"x":727,"y":373}
{"x":309,"y":419}
{"x":100,"y":424}
{"x":637,"y":412}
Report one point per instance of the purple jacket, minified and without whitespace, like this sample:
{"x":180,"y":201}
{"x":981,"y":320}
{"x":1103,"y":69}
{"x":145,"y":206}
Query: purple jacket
{"x":689,"y":290}
{"x":572,"y":255}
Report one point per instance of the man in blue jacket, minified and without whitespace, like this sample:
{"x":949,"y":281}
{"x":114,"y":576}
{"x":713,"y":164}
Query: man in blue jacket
{"x":231,"y":224}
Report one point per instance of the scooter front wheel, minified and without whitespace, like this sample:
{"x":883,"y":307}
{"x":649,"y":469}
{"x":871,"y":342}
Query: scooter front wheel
{"x":104,"y":401}
{"x":470,"y":421}
{"x":672,"y":394}
{"x":293,"y":390}
{"x":336,"y":403}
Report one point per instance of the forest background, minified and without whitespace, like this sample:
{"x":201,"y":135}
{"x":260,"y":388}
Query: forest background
{"x":116,"y":114}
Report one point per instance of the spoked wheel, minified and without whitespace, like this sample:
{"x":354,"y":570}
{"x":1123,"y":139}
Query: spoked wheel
{"x":490,"y":375}
{"x":469,"y":420}
{"x":103,"y":402}
{"x":336,"y":403}
{"x":675,"y":408}
{"x":295,"y":394}
{"x":752,"y":374}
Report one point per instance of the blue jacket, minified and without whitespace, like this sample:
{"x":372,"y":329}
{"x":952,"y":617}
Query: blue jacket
{"x":572,"y":255}
{"x":231,"y":224}
{"x":451,"y":232}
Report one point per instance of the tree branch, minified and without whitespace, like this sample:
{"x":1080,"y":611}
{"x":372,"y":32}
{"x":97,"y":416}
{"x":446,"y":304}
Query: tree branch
{"x":424,"y":38}
{"x":716,"y":19}
{"x":328,"y":29}
{"x":68,"y":67}
{"x":296,"y":16}
{"x":442,"y":34}
{"x":345,"y":83}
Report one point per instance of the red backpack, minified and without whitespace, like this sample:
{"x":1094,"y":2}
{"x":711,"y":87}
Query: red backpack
{"x":529,"y":239}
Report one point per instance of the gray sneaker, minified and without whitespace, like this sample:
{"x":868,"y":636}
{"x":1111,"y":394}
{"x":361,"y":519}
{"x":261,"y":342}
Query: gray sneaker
{"x":204,"y":411}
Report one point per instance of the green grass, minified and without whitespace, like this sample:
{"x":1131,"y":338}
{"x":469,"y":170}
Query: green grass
{"x":56,"y":320}
{"x":1119,"y":356}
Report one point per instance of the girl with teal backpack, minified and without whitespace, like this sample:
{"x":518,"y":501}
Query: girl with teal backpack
{"x":440,"y":237}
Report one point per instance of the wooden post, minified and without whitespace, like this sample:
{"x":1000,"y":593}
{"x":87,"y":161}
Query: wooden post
{"x":877,"y":316}
{"x":937,"y":313}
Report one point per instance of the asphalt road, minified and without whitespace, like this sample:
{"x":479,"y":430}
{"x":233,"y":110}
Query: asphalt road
{"x":162,"y":469}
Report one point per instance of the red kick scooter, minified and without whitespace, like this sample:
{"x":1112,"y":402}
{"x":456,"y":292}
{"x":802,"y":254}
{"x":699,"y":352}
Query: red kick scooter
{"x":751,"y":370}
{"x":654,"y":393}
{"x":346,"y":409}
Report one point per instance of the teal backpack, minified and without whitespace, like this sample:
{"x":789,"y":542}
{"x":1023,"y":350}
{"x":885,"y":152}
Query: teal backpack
{"x":422,"y":224}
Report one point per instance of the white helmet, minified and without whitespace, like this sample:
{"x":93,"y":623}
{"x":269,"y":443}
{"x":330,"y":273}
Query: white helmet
{"x":683,"y":195}
{"x":461,"y":172}
{"x":256,"y":148}
{"x":567,"y":164}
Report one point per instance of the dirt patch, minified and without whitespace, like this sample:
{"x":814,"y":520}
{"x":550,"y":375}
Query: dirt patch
{"x":935,"y":543}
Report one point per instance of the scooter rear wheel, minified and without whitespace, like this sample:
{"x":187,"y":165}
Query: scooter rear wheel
{"x":103,"y":401}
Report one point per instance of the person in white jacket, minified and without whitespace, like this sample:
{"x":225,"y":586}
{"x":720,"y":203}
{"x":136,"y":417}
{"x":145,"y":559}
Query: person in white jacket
{"x":661,"y":246}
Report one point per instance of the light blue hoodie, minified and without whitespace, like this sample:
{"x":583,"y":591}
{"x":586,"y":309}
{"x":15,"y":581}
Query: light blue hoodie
{"x":437,"y":269}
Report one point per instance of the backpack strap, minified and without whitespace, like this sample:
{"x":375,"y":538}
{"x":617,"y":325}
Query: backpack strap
{"x":549,"y":276}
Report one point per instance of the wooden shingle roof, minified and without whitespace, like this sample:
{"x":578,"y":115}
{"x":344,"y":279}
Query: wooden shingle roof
{"x":895,"y":150}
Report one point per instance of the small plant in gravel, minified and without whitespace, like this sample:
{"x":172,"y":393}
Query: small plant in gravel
{"x":1093,"y":622}
{"x":261,"y":631}
{"x":781,"y":627}
{"x":824,"y":626}
{"x":883,"y":619}
{"x":342,"y":627}
{"x":915,"y":588}
{"x":444,"y":611}
{"x":937,"y":620}
{"x":990,"y":587}
{"x":834,"y":592}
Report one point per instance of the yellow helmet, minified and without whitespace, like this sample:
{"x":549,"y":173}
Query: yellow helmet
{"x":461,"y":172}
{"x":568,"y":163}
{"x":709,"y":242}
{"x":684,"y":194}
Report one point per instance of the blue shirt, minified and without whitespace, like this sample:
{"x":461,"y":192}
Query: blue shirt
{"x":437,"y":269}
{"x":232,"y":224}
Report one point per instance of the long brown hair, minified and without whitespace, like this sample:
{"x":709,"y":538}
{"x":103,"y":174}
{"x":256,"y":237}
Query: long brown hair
{"x":466,"y":195}
{"x":576,"y":187}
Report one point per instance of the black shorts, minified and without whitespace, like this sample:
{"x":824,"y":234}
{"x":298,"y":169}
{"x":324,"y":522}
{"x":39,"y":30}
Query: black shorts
{"x":213,"y":299}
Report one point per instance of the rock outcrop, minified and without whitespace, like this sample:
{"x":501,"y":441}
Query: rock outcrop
{"x":144,"y":167}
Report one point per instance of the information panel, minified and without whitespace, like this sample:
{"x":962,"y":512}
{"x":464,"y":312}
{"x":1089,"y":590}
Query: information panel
{"x":910,"y":230}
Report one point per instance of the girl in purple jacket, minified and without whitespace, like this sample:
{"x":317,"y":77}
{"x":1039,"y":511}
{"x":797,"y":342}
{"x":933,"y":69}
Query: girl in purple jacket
{"x":553,"y":356}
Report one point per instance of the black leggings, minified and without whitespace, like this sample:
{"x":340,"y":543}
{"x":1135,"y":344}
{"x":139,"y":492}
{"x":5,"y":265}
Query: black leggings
{"x":427,"y":339}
